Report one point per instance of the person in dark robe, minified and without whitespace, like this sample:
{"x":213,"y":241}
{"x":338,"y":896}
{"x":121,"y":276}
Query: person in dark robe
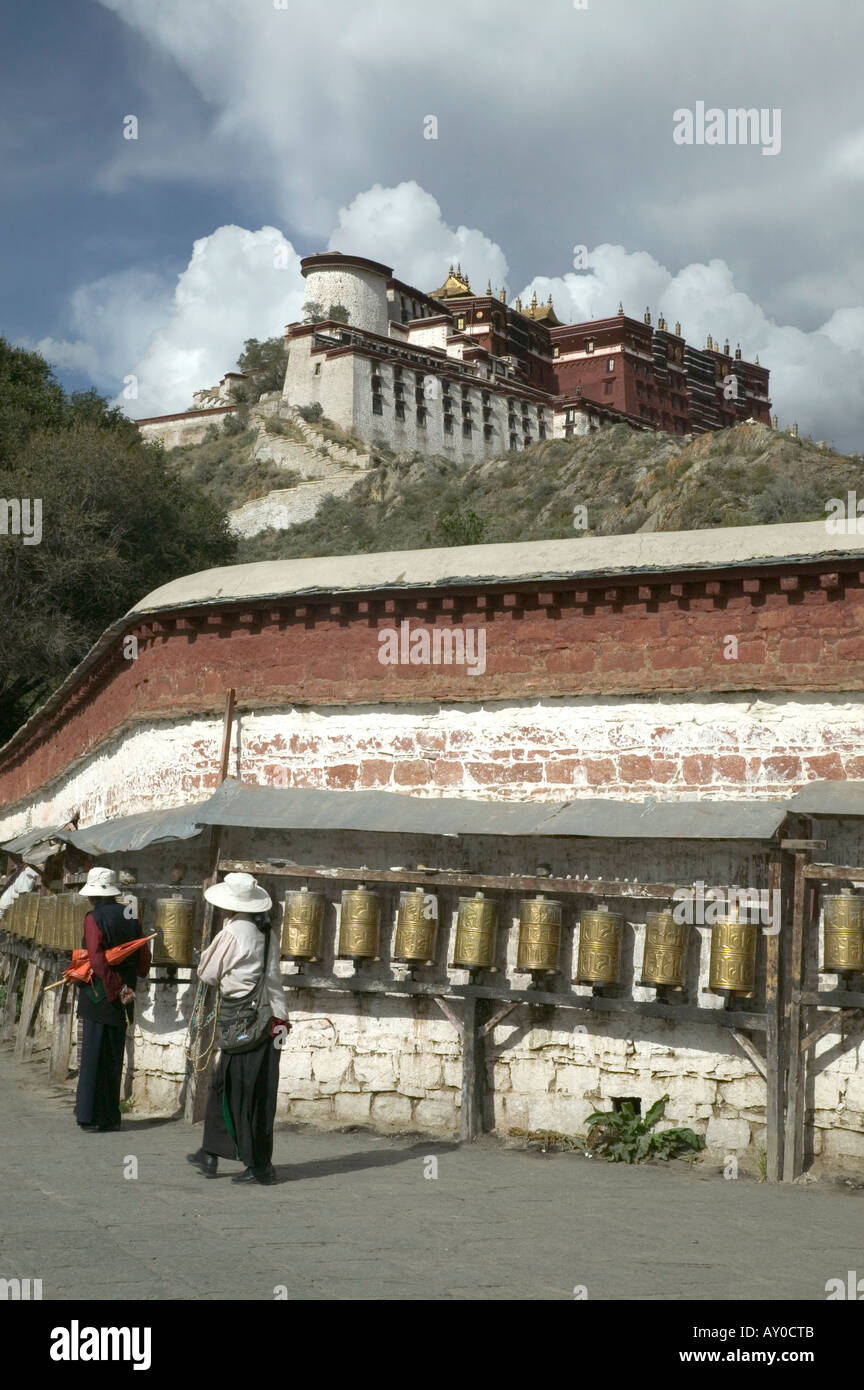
{"x":241,"y":1105}
{"x":106,"y":1004}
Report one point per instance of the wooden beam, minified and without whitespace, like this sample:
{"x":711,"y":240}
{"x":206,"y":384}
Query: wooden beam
{"x":496,"y":1018}
{"x":9,"y":1015}
{"x":830,"y":1023}
{"x":794,"y":1137}
{"x":720,"y":1018}
{"x":803,"y":844}
{"x":449,"y":1013}
{"x":832,"y":871}
{"x":61,"y":1038}
{"x":456,"y":878}
{"x":473,"y":1070}
{"x":755,"y":1057}
{"x":775,"y":1071}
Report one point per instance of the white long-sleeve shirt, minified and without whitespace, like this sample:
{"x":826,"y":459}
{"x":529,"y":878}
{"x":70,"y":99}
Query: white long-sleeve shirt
{"x":234,"y":958}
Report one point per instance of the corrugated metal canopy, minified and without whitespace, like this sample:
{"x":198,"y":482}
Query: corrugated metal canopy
{"x":278,"y":808}
{"x":829,"y":799}
{"x":275,"y":808}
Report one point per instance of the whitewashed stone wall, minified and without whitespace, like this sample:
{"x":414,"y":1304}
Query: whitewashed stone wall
{"x":548,"y":750}
{"x":289,"y":506}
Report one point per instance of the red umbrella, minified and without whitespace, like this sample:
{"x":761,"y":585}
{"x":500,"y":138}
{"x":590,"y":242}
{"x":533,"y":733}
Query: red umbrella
{"x":80,"y":972}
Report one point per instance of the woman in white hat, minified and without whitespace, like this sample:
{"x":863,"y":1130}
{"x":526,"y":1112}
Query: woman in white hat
{"x":105,"y":1004}
{"x":242,"y":1101}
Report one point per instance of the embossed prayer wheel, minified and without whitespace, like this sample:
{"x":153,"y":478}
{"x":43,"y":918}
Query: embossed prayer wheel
{"x":844,"y":931}
{"x":416,"y":928}
{"x":71,"y":916}
{"x":46,"y":925}
{"x":359,"y":924}
{"x":599,"y":960}
{"x":29,"y":915}
{"x":13,"y":918}
{"x":539,"y":934}
{"x":476,"y":934}
{"x":664,"y":960}
{"x":733,"y":956}
{"x":301,"y":925}
{"x":174,"y":926}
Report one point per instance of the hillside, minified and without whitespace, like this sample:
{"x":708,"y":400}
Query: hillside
{"x":626,"y":480}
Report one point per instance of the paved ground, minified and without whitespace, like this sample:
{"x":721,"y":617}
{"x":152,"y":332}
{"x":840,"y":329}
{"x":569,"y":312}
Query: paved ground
{"x":353,"y":1217}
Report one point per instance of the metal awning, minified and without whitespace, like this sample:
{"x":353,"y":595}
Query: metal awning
{"x":277,"y":808}
{"x":245,"y":804}
{"x":829,"y":799}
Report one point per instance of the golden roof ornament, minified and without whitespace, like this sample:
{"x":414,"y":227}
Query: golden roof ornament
{"x":489,"y":287}
{"x":646,"y":317}
{"x":503,"y":294}
{"x":519,"y":304}
{"x":620,"y":307}
{"x":757,"y":360}
{"x":661,"y":322}
{"x":677,"y":330}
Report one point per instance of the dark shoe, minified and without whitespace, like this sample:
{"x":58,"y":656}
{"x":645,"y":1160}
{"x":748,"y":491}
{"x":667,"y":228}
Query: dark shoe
{"x":89,"y":1129}
{"x":265,"y":1176}
{"x":205,"y":1162}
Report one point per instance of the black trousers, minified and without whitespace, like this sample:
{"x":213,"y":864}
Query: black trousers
{"x":242,"y":1105}
{"x":100,"y":1073}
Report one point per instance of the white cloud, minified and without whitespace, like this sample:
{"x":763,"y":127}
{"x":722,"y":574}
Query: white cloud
{"x":403,"y":227}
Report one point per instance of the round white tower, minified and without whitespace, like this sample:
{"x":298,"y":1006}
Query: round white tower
{"x":360,"y":286}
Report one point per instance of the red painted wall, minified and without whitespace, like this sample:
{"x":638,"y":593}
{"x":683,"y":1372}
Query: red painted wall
{"x":797,"y":630}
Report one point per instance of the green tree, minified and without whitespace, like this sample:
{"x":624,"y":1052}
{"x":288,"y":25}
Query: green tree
{"x":116,"y":522}
{"x":264,"y":364}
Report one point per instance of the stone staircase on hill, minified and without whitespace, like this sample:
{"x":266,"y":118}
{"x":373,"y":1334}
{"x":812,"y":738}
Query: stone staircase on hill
{"x":326,"y":467}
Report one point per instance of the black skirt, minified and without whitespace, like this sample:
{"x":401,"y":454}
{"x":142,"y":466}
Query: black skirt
{"x":242,"y":1105}
{"x":100,"y":1073}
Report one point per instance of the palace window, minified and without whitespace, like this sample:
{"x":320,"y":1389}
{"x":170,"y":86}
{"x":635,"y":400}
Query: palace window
{"x":400,"y":410}
{"x":448,"y":424}
{"x":460,"y":322}
{"x":608,"y":387}
{"x":421,"y":418}
{"x":377,"y":405}
{"x":610,"y":365}
{"x":589,"y":345}
{"x":466,"y":429}
{"x":556,"y":352}
{"x":514,"y":441}
{"x":317,"y":369}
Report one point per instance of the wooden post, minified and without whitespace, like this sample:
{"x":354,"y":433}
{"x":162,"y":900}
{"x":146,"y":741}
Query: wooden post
{"x":61,"y":1041}
{"x":474,"y":1014}
{"x":774,"y":1069}
{"x":794,"y":1143}
{"x":10,"y":1006}
{"x":29,"y":1004}
{"x":198,"y":1083}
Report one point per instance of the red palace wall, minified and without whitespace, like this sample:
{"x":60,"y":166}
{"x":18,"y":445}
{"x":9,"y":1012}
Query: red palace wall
{"x":798,"y":629}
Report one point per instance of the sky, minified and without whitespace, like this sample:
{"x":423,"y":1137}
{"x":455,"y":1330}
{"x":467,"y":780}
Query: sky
{"x":165,"y":165}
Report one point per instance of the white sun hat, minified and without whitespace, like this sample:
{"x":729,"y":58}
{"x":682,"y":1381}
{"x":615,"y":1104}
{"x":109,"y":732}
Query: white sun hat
{"x":239,"y":893}
{"x":101,"y":883}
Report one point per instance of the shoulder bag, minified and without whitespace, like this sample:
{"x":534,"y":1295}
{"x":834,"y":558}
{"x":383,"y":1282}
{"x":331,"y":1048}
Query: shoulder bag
{"x":242,"y":1023}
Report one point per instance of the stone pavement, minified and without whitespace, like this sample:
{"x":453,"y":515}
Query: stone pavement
{"x":353,"y":1217}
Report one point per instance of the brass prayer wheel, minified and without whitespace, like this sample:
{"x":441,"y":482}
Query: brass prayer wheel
{"x":301,"y":925}
{"x":29,"y":915}
{"x":45,"y":925}
{"x":599,"y":960}
{"x":70,"y":931}
{"x":416,"y":928}
{"x":13,"y":918}
{"x":539,"y":934}
{"x":476,"y":934}
{"x":664,"y":959}
{"x":174,"y":926}
{"x":359,"y":924}
{"x":844,"y":931}
{"x":733,"y":956}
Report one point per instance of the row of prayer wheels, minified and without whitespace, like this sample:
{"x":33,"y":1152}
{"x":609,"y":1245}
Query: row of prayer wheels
{"x":53,"y":921}
{"x":733,"y":942}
